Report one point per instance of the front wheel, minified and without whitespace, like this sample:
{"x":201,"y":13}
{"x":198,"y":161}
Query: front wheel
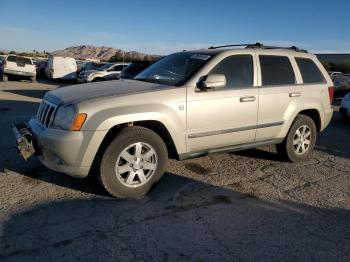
{"x":133,"y":162}
{"x":300,"y":140}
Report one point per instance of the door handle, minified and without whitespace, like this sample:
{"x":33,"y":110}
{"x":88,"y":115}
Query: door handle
{"x":296,"y":94}
{"x":247,"y":99}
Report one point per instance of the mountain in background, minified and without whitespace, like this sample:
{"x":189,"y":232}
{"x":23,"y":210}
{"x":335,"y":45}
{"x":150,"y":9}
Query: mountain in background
{"x":103,"y":53}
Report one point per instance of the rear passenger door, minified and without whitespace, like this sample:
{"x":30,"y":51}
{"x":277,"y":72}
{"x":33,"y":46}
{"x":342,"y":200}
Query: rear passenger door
{"x":279,"y":93}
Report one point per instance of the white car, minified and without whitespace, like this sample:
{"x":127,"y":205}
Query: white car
{"x":61,"y":68}
{"x":18,"y":66}
{"x":345,"y":107}
{"x":334,"y":74}
{"x":107,"y":71}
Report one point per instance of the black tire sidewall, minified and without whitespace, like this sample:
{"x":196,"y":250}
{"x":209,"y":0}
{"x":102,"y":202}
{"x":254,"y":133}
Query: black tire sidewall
{"x":300,"y":121}
{"x":127,"y":137}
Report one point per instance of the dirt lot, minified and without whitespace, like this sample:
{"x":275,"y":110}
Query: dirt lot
{"x":242,"y":206}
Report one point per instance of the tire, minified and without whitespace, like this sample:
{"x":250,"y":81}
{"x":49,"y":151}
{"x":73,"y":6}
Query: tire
{"x":133,"y":183}
{"x":301,"y":150}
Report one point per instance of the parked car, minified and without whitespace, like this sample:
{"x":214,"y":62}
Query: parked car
{"x":21,"y":66}
{"x":135,"y":68}
{"x":107,"y":71}
{"x":61,"y":68}
{"x":341,"y":85}
{"x":88,"y":66}
{"x":186,"y":105}
{"x":334,"y":74}
{"x":345,"y":107}
{"x":40,"y":66}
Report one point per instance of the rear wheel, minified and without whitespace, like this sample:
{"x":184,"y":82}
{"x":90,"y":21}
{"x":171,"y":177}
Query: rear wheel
{"x":300,"y":140}
{"x":133,"y":162}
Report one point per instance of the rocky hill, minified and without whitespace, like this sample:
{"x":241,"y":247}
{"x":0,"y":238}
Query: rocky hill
{"x":103,"y":53}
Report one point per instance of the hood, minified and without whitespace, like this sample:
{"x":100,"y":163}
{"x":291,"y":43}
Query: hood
{"x":78,"y":93}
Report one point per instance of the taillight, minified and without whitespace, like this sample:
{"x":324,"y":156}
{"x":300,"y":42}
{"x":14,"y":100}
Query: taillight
{"x":331,"y":93}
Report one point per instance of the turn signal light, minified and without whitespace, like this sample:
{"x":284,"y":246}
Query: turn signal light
{"x":78,"y":122}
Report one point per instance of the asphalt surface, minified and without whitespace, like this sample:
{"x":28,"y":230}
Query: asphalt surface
{"x":244,"y":206}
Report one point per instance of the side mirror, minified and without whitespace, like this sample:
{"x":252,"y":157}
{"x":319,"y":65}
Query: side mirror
{"x":213,"y":81}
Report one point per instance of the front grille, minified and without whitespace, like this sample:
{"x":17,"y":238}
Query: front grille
{"x":46,"y":113}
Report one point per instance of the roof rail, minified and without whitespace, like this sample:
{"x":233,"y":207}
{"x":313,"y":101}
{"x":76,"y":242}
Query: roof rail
{"x":259,"y":45}
{"x":222,"y":46}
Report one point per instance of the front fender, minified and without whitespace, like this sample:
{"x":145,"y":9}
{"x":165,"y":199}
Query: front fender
{"x":169,"y":115}
{"x":94,"y":75}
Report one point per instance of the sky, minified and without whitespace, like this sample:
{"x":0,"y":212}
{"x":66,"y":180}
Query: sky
{"x":162,"y":27}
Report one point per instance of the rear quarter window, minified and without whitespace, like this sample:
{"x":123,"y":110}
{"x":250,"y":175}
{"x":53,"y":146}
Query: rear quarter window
{"x":310,"y":72}
{"x":276,"y":70}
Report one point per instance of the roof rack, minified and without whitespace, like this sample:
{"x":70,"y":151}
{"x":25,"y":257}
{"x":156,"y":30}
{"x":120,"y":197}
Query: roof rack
{"x":259,"y":45}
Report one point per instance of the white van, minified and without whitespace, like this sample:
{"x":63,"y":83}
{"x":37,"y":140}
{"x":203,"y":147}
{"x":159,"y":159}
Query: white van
{"x":61,"y":68}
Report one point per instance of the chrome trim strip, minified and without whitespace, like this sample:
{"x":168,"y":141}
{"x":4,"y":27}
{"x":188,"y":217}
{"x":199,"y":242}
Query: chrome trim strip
{"x":46,"y":113}
{"x":279,"y":123}
{"x":232,"y":130}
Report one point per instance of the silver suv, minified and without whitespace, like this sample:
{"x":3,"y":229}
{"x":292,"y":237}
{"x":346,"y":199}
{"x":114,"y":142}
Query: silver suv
{"x":186,"y":105}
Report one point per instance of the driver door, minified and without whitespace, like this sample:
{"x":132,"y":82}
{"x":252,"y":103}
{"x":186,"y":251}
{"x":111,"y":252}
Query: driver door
{"x":226,"y":117}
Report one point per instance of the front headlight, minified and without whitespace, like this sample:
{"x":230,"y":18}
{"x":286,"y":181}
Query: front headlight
{"x":89,"y":77}
{"x":64,"y":117}
{"x":67,"y":118}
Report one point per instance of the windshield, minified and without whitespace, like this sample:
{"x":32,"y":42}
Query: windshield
{"x":104,"y":67}
{"x":174,"y":69}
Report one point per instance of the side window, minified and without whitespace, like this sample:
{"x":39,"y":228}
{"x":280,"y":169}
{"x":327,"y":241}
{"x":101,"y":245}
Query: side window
{"x":118,"y":68}
{"x":309,"y":71}
{"x":276,"y":70}
{"x":238,"y":70}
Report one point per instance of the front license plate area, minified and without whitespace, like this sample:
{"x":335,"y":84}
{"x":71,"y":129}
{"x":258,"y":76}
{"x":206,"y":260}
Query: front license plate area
{"x":24,"y":140}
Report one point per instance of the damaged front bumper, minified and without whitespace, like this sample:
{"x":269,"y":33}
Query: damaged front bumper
{"x":24,"y":140}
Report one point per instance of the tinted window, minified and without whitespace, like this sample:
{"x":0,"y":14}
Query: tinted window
{"x":309,"y":71}
{"x":118,"y":68}
{"x":237,"y":69}
{"x":19,"y":60}
{"x":12,"y":58}
{"x":23,"y":60}
{"x":276,"y":70}
{"x":174,"y":69}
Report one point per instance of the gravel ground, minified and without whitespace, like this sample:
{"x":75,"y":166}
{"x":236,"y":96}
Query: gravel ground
{"x":244,"y":206}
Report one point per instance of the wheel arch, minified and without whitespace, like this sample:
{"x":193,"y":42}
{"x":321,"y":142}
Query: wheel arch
{"x":154,"y":125}
{"x":314,"y":114}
